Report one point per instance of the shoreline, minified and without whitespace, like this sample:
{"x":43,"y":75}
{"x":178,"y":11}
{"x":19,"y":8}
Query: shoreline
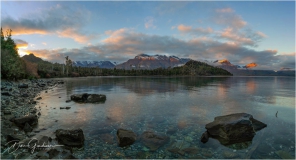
{"x":19,"y":99}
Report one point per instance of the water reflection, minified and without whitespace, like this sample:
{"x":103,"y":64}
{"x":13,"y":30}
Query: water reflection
{"x":179,"y":107}
{"x":139,"y":85}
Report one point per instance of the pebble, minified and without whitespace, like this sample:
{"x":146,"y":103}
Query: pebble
{"x":7,"y":112}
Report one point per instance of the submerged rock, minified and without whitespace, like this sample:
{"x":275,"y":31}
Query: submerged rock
{"x":153,"y":141}
{"x":191,"y":150}
{"x":88,"y":98}
{"x":233,"y":128}
{"x":72,"y":138}
{"x":284,"y":154}
{"x":205,"y":137}
{"x":125,"y":137}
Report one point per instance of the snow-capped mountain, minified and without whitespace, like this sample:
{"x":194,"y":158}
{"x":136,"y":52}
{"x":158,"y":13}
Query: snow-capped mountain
{"x":100,"y":64}
{"x":144,"y":61}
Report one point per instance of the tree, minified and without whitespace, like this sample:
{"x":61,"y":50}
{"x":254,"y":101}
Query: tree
{"x":68,"y":64}
{"x":12,"y":66}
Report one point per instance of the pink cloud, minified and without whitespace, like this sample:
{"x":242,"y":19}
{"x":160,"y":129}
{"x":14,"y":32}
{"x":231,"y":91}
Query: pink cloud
{"x":230,"y":19}
{"x":184,"y":28}
{"x":225,"y":10}
{"x":261,"y":34}
{"x":230,"y":34}
{"x":189,"y":29}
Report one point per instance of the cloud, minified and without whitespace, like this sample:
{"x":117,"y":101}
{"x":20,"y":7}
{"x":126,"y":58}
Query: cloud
{"x":21,"y":43}
{"x":236,"y":38}
{"x":189,"y":29}
{"x":261,"y":34}
{"x":225,"y":10}
{"x":61,"y":20}
{"x":184,"y":28}
{"x":123,"y":44}
{"x":170,"y":7}
{"x":228,"y":18}
{"x":149,"y":22}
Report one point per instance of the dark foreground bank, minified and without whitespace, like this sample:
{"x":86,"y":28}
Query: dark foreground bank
{"x":19,"y":118}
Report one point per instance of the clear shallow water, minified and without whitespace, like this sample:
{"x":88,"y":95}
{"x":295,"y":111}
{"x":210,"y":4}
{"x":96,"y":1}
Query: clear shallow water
{"x":178,"y":107}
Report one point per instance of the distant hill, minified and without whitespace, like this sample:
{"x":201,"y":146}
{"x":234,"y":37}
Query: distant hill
{"x":200,"y":69}
{"x":32,"y":58}
{"x":100,"y":64}
{"x":253,"y":72}
{"x":144,"y":61}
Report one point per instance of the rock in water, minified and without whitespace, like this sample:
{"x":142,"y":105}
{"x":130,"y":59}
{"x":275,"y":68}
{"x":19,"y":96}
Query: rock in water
{"x":125,"y":137}
{"x":93,"y":98}
{"x":28,"y":128}
{"x":154,"y":141}
{"x":205,"y":137}
{"x":234,"y":128}
{"x":31,"y":120}
{"x":88,"y":98}
{"x":72,"y":138}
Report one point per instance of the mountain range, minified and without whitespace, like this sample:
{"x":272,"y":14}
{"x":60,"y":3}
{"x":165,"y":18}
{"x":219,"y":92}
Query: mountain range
{"x":141,"y":61}
{"x":100,"y":64}
{"x":144,"y":61}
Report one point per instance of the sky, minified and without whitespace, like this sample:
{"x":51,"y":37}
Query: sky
{"x":240,"y":31}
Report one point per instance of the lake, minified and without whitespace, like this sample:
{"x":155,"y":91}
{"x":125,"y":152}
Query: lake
{"x":178,"y":107}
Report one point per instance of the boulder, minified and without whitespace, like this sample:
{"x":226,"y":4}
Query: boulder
{"x":125,"y":137}
{"x":23,"y":86}
{"x":28,"y":128}
{"x":79,"y":97}
{"x":233,"y":128}
{"x":88,"y":98}
{"x":153,"y":141}
{"x":31,"y":120}
{"x":72,"y":138}
{"x":204,"y":137}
